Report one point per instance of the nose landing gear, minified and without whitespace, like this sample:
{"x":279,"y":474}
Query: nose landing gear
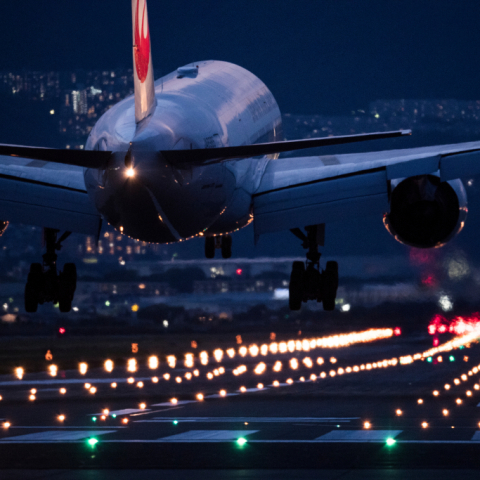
{"x":307,"y":282}
{"x":44,"y":283}
{"x":223,"y":243}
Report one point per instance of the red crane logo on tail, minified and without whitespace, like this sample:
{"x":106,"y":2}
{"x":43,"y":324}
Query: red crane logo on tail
{"x":142,"y":43}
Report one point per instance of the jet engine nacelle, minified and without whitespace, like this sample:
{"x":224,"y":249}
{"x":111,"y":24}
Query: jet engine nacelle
{"x":425,"y":212}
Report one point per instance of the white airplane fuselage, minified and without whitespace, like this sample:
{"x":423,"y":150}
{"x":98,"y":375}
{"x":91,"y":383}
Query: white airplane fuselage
{"x":208,"y":104}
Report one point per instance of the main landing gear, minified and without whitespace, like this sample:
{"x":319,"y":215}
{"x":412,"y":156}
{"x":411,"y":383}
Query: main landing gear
{"x":223,"y":243}
{"x":307,"y":282}
{"x":45,"y":284}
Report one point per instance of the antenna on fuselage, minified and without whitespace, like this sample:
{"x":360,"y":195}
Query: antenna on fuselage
{"x":143,"y":80}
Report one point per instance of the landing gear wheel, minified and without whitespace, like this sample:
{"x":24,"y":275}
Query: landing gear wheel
{"x":226,"y":246}
{"x":210,"y":247}
{"x":330,"y":286}
{"x":297,"y":286}
{"x":67,"y":283}
{"x":33,"y":288}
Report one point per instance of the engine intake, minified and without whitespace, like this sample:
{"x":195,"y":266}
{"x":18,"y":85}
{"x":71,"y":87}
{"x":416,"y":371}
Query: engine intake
{"x":425,"y":212}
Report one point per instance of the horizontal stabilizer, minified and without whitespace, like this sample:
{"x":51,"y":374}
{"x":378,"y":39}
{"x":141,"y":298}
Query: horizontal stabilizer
{"x":80,"y":158}
{"x":245,"y":151}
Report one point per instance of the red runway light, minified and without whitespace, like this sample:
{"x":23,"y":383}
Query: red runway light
{"x":61,"y":330}
{"x":239,"y":271}
{"x":397,"y":331}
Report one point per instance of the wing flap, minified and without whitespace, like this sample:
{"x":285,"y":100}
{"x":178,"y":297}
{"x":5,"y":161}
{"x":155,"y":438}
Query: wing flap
{"x":325,"y":201}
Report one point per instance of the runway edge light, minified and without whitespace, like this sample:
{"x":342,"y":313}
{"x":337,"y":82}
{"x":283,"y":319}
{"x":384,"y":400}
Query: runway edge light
{"x":391,"y":442}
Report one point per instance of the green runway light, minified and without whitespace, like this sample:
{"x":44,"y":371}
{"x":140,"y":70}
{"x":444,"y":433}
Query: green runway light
{"x":114,"y":415}
{"x":241,"y":441}
{"x":451,"y":358}
{"x":429,"y":359}
{"x":94,"y":419}
{"x":391,"y":442}
{"x":175,"y":422}
{"x":92,"y":441}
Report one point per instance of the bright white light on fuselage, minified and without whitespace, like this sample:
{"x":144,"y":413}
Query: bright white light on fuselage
{"x":130,"y":172}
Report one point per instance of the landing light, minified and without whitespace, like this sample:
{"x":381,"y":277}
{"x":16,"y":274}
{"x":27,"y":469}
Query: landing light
{"x":130,"y":172}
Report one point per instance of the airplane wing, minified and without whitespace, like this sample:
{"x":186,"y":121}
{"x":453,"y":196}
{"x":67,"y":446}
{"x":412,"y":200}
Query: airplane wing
{"x":46,"y":194}
{"x":295,"y":192}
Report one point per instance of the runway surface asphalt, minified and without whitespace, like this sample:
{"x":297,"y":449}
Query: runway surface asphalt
{"x":391,"y":408}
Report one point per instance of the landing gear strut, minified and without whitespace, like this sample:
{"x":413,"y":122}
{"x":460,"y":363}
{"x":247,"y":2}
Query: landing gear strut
{"x":44,"y":283}
{"x":307,"y":282}
{"x":223,"y":243}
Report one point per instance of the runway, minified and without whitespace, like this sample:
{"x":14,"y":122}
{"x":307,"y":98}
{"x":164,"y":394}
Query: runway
{"x":420,"y":412}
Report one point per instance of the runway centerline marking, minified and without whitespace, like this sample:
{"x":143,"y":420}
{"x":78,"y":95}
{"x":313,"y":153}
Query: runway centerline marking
{"x":208,"y":435}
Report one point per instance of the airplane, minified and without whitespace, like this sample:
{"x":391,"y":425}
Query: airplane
{"x":196,"y":154}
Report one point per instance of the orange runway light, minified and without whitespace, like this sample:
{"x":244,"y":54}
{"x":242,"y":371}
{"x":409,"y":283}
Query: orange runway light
{"x":92,"y":390}
{"x":243,"y":389}
{"x":445,"y":412}
{"x":63,"y":391}
{"x":458,"y":401}
{"x":154,"y":379}
{"x":367,"y":425}
{"x":140,"y":384}
{"x":171,"y":361}
{"x":223,"y":393}
{"x":398,"y":412}
{"x":113,"y":385}
{"x":289,"y":381}
{"x":103,"y":417}
{"x":87,"y":385}
{"x":125,"y":420}
{"x":260,"y":386}
{"x":436,"y":393}
{"x":6,"y":424}
{"x":199,"y":396}
{"x":276,"y":383}
{"x":31,"y":398}
{"x":143,"y":406}
{"x":105,"y":411}
{"x":33,"y":391}
{"x":174,"y":401}
{"x":424,"y":425}
{"x":469,"y":393}
{"x":447,"y":386}
{"x":130,"y":380}
{"x":61,"y":418}
{"x":420,"y":401}
{"x":166,"y":376}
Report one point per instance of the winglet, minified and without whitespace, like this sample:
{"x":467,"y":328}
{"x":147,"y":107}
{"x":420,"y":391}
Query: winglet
{"x":145,"y":101}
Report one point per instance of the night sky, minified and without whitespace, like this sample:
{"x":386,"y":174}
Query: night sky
{"x":316,"y":56}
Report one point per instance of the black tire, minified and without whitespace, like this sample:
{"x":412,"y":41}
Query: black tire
{"x":210,"y":247}
{"x":296,"y":286}
{"x":226,"y":246}
{"x":330,"y":286}
{"x":31,"y":298}
{"x":33,"y":288}
{"x":67,"y":284}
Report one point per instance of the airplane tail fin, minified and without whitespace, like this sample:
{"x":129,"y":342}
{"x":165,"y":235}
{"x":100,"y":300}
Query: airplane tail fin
{"x":145,"y":101}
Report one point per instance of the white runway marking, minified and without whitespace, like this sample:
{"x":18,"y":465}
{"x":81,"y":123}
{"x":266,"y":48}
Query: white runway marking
{"x":217,"y":395}
{"x":208,"y":435}
{"x":252,"y":419}
{"x":55,"y":436}
{"x":125,"y":411}
{"x":358,"y":435}
{"x":476,"y":437}
{"x":170,"y":404}
{"x":60,"y":427}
